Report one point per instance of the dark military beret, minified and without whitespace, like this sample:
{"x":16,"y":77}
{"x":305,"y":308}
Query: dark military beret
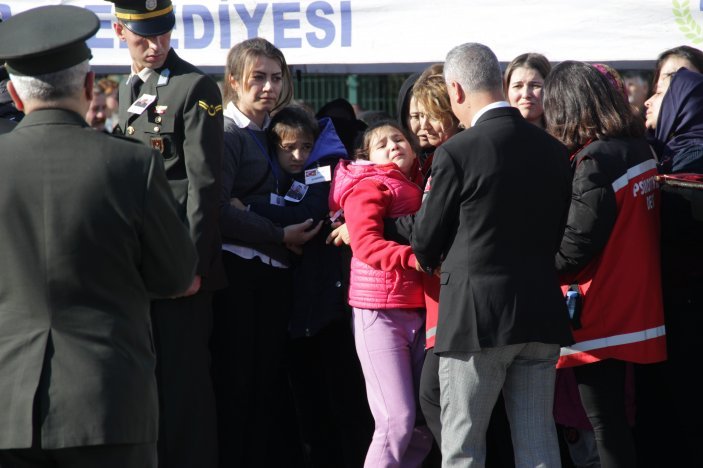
{"x":60,"y":45}
{"x":145,"y":17}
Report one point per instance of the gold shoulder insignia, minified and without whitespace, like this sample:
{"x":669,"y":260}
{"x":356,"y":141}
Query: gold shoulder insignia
{"x":210,"y":109}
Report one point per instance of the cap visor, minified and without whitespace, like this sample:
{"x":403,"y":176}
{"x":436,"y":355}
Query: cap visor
{"x":153,"y":26}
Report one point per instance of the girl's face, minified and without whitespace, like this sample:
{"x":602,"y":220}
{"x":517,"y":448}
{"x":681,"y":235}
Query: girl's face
{"x":259,"y":91}
{"x":434,"y":130}
{"x":525,"y":93}
{"x":388,"y":144}
{"x":293,"y":150}
{"x":653,"y":104}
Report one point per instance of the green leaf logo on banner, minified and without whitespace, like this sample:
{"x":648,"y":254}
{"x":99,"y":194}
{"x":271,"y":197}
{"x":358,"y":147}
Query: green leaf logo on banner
{"x":684,"y":19}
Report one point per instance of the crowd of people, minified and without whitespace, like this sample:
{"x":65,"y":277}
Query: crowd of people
{"x":196,"y":275}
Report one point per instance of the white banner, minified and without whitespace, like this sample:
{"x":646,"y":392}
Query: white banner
{"x":350,"y":33}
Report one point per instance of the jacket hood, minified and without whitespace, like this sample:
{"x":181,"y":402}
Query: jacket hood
{"x":327,"y":145}
{"x":403,"y":103}
{"x":349,"y":173}
{"x":343,"y":117}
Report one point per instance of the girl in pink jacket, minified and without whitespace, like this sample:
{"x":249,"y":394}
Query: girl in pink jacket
{"x":387,"y":302}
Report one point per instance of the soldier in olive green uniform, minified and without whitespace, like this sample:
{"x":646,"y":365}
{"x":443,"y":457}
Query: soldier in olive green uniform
{"x":89,"y":232}
{"x":5,"y":124}
{"x":176,"y":109}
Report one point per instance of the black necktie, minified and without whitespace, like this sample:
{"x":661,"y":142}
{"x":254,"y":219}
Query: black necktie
{"x":135,"y":85}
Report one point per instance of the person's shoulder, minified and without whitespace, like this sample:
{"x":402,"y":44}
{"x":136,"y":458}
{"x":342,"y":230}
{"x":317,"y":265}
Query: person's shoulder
{"x":6,"y":125}
{"x":178,"y":66}
{"x":611,"y":146}
{"x":118,"y":143}
{"x":620,"y":152}
{"x":458,"y":142}
{"x":119,"y":139}
{"x":185,"y":72}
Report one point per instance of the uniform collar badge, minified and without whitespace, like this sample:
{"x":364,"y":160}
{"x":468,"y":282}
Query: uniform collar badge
{"x":163,"y":77}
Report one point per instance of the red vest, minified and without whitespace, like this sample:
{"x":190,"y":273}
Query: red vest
{"x":622,"y":315}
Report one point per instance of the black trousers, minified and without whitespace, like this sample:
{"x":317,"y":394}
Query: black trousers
{"x":96,"y":456}
{"x":187,"y":423}
{"x":255,"y":420}
{"x":602,"y":389}
{"x":669,"y":413}
{"x":335,"y":422}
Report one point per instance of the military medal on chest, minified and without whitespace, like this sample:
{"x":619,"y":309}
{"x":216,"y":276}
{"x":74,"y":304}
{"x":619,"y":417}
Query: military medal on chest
{"x":157,"y":143}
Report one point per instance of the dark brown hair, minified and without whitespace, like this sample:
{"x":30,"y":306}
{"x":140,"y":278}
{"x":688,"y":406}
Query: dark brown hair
{"x":363,"y":151}
{"x":691,"y":54}
{"x":581,"y":105}
{"x":292,"y":118}
{"x":531,"y":60}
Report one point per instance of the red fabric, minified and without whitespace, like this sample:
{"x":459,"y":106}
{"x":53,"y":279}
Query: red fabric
{"x":368,"y":193}
{"x":622,"y":315}
{"x":689,"y":179}
{"x":431,"y":285}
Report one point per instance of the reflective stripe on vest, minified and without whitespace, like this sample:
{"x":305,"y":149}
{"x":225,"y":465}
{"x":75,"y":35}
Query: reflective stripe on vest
{"x":616,"y":340}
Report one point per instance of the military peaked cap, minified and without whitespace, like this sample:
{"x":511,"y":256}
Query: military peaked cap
{"x":46,"y":39}
{"x":145,"y":17}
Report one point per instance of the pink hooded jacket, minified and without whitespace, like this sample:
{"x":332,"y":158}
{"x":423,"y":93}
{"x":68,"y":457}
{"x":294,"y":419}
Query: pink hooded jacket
{"x":368,"y":193}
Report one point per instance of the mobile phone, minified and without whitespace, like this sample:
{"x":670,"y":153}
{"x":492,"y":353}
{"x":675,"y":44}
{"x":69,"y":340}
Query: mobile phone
{"x":337,"y":214}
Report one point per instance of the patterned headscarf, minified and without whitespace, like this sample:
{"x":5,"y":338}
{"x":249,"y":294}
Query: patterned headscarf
{"x":613,"y":76}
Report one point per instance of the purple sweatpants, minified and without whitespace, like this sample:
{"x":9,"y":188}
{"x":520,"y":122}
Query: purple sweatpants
{"x":390,"y":344}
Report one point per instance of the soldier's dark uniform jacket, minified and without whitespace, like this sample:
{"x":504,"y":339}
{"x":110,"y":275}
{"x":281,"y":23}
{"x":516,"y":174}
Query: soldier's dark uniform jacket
{"x":83,"y":219}
{"x":184,"y":123}
{"x":6,"y":125}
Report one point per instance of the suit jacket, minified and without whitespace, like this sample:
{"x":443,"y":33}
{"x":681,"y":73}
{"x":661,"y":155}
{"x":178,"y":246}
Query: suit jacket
{"x":494,"y":217}
{"x":90,"y":232}
{"x":184,"y":122}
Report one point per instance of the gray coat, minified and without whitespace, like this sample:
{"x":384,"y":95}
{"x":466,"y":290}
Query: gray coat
{"x":90,"y":232}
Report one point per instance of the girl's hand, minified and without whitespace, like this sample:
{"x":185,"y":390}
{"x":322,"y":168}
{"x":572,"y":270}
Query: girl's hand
{"x":339,"y":234}
{"x":235,"y":202}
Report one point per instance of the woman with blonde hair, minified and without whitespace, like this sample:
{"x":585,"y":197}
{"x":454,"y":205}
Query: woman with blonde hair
{"x":437,"y":122}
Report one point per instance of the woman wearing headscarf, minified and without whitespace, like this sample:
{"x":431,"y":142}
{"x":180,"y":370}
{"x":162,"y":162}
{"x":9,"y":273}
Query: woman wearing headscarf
{"x":674,"y":113}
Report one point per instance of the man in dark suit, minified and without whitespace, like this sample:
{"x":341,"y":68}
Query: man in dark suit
{"x":90,"y":232}
{"x":493,"y":219}
{"x":175,"y":108}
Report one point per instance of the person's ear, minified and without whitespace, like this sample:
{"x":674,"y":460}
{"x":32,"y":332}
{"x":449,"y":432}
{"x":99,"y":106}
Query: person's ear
{"x":458,"y":92}
{"x":88,"y":85}
{"x":234,"y":84}
{"x":15,"y":97}
{"x":119,"y":31}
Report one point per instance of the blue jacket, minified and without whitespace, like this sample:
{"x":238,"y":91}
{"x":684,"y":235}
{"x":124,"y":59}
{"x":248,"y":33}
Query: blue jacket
{"x":321,"y":274}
